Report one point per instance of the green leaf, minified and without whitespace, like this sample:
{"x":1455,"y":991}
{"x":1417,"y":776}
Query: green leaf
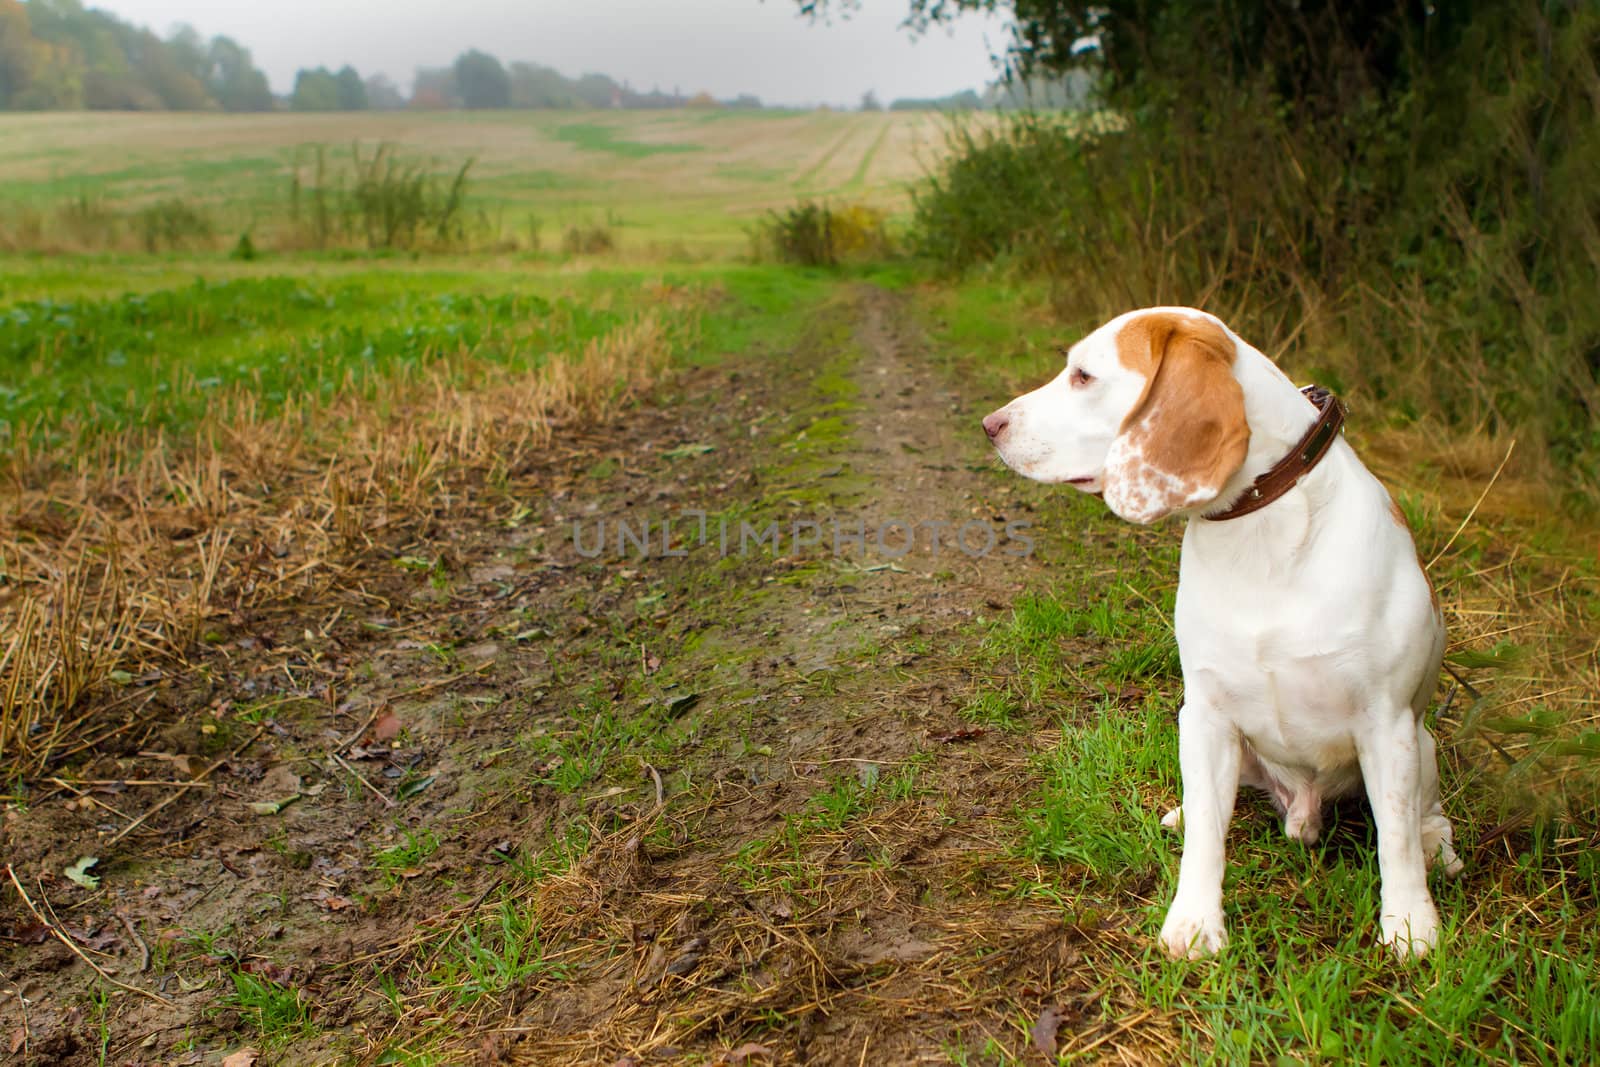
{"x":688,"y":450}
{"x":273,"y":807}
{"x":413,"y":787}
{"x":79,"y":872}
{"x":678,"y":705}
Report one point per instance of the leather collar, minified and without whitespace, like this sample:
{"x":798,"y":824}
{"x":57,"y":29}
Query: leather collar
{"x":1301,"y":459}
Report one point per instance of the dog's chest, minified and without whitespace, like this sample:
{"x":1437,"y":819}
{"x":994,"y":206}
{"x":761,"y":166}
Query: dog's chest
{"x":1294,"y":682}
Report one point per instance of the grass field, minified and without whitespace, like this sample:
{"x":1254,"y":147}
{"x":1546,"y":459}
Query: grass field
{"x":328,"y":734}
{"x":684,"y":184}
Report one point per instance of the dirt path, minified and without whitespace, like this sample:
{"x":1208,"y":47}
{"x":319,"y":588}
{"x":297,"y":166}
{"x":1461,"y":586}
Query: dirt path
{"x":525,"y":801}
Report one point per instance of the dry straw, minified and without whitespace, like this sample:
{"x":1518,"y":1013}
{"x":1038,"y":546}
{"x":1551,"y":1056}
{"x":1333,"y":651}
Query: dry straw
{"x":118,"y":553}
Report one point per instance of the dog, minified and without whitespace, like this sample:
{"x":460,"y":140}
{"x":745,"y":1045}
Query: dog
{"x":1308,"y":632}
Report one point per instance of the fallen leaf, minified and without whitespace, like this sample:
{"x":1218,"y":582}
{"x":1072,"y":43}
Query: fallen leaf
{"x":245,"y":1057}
{"x":678,"y":705}
{"x":747,"y":1051}
{"x":1044,"y":1030}
{"x":273,"y":807}
{"x":386,"y":727}
{"x":276,"y":973}
{"x":79,"y":872}
{"x":27,"y":934}
{"x":652,"y":664}
{"x":689,"y":959}
{"x":964,"y":733}
{"x":412,"y":788}
{"x":695,"y":449}
{"x":19,"y":1037}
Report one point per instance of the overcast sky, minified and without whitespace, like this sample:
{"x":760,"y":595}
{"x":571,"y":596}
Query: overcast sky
{"x":721,"y":46}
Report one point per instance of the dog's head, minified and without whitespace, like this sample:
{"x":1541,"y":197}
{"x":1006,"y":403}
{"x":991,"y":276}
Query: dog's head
{"x":1147,"y":411}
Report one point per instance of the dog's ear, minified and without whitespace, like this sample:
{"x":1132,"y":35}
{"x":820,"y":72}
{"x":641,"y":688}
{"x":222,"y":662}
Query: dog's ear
{"x":1187,"y":434}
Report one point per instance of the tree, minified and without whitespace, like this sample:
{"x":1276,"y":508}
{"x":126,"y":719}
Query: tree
{"x":383,"y":94}
{"x":482,"y":81}
{"x":352,"y":91}
{"x":540,"y":87}
{"x":1322,"y":56}
{"x":869,"y":101}
{"x":16,"y":51}
{"x":234,"y":79}
{"x":315,"y":90}
{"x":596,"y":90}
{"x":434,"y":88}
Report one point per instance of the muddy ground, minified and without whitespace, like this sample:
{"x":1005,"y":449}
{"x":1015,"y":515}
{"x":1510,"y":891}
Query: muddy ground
{"x":515,"y":801}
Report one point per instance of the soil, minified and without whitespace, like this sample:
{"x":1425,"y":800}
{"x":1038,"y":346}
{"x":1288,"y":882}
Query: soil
{"x":714,"y":913}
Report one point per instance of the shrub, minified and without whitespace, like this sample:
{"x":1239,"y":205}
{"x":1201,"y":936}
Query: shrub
{"x":170,"y":224}
{"x":588,"y":240}
{"x":1436,"y":250}
{"x":817,"y":235}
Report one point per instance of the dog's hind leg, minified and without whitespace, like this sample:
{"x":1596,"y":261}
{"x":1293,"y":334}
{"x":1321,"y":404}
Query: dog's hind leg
{"x":1437,"y":838}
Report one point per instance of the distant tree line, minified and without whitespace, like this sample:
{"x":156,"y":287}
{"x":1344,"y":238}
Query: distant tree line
{"x":56,"y":54}
{"x":60,"y":55}
{"x":478,"y":80}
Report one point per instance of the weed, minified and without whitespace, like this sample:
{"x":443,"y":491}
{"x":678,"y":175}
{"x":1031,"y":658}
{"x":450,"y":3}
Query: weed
{"x":494,"y":954}
{"x":279,"y":1014}
{"x":395,"y":860}
{"x":383,"y":200}
{"x":173,"y":223}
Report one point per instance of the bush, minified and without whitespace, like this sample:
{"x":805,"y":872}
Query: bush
{"x":816,"y":235}
{"x":1437,"y":250}
{"x":172,"y":223}
{"x":588,"y":240}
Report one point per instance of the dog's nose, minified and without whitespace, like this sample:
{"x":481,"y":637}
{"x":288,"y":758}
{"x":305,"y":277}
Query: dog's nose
{"x":994,"y":422}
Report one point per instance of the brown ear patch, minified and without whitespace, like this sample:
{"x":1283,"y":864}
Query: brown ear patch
{"x":1187,"y":434}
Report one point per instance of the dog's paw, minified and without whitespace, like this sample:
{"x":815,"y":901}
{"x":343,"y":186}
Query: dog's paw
{"x":1411,"y":930}
{"x":1173,"y":819}
{"x":1444,"y":857}
{"x":1193,"y":935}
{"x":1437,"y":847}
{"x":1304,"y":827}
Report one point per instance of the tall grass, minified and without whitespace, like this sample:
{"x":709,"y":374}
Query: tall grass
{"x":381,"y":200}
{"x":1438,"y":252}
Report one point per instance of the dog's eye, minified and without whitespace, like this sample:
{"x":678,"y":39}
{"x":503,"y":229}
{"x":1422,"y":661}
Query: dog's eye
{"x":1079,"y":376}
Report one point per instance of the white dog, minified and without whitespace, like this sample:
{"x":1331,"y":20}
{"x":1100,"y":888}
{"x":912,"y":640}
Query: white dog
{"x":1309,"y":635}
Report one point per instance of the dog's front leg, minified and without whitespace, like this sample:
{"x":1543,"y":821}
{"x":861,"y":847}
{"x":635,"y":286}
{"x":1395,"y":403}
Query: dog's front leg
{"x":1390,"y":766}
{"x":1208,"y":755}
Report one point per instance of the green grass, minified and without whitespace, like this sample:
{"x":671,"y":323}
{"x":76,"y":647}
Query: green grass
{"x":493,"y":954}
{"x":277,"y":1013}
{"x":681,"y":186}
{"x":1093,"y":811}
{"x":162,"y":356}
{"x":408,"y":854}
{"x":593,"y":137}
